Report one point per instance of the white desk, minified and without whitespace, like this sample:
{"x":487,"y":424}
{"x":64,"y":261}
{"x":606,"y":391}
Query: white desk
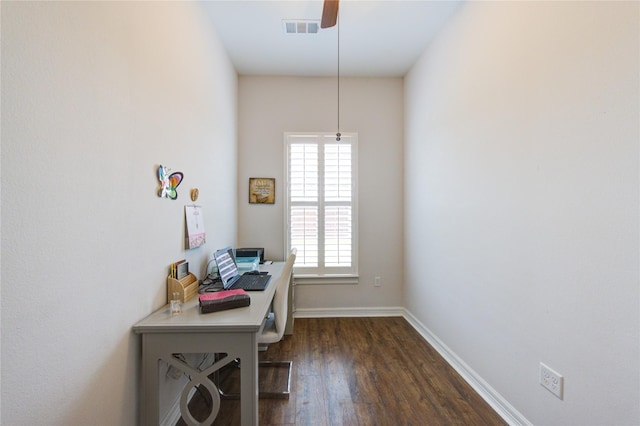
{"x":233,"y":332}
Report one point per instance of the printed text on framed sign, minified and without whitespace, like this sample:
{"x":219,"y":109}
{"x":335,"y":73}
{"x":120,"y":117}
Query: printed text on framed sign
{"x":262,"y":190}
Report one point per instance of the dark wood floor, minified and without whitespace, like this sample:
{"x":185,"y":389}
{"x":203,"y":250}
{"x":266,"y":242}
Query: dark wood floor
{"x":362,"y":371}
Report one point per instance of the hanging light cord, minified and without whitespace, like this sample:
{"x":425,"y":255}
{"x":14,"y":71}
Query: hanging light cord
{"x":338,"y":134}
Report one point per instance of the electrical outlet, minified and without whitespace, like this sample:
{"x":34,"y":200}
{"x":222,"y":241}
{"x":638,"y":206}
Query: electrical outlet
{"x":376,"y":282}
{"x":551,"y":380}
{"x":174,"y":373}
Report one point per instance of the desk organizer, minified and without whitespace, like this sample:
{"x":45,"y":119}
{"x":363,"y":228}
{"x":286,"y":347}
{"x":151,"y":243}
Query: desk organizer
{"x":187,"y":287}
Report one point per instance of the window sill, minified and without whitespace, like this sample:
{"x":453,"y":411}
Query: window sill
{"x":325,"y":279}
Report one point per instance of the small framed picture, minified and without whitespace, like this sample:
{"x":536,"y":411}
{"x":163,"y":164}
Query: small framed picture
{"x":262,"y":190}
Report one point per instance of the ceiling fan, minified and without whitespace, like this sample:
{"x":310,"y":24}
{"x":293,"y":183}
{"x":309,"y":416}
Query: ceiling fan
{"x":329,"y":13}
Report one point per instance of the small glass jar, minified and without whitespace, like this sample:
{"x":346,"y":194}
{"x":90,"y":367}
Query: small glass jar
{"x":176,"y":304}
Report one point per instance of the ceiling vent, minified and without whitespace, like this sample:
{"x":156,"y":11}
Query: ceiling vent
{"x":300,"y":26}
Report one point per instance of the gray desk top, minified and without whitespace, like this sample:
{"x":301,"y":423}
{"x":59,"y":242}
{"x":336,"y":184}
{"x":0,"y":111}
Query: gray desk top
{"x":245,"y":319}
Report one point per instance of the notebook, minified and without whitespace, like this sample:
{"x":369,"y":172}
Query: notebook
{"x":231,"y":279}
{"x":223,"y":300}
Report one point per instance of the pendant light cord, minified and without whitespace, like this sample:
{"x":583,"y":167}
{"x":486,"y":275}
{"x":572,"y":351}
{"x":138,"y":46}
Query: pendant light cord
{"x":338,"y":134}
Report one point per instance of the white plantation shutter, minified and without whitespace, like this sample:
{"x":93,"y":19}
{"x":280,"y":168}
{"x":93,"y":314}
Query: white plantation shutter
{"x":303,"y":195}
{"x":321,"y":203}
{"x":337,"y":197}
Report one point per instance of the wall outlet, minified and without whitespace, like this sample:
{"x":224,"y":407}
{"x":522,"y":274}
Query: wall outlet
{"x":174,"y":373}
{"x":377,"y":282}
{"x":551,"y":380}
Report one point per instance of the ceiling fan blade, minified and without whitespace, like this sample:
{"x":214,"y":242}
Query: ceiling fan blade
{"x":329,"y":13}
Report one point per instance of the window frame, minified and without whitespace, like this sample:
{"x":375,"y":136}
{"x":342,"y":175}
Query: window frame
{"x":323,"y":274}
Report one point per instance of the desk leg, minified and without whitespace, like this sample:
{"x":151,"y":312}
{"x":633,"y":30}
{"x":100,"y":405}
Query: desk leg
{"x":149,"y":404}
{"x":249,"y":381}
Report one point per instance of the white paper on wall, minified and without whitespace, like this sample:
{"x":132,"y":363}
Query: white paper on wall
{"x":196,"y":235}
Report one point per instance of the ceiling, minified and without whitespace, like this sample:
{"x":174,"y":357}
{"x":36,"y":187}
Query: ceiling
{"x":378,"y":38}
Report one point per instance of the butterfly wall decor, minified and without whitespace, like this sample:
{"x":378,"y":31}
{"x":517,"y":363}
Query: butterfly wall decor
{"x":168,"y":182}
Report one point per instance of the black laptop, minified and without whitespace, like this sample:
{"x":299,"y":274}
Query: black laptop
{"x":231,"y":279}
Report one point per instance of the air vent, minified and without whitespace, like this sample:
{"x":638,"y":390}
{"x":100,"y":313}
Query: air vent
{"x":300,"y":26}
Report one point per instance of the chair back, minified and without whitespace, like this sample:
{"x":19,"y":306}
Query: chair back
{"x":282,"y":294}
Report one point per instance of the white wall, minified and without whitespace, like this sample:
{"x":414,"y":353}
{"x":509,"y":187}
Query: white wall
{"x":271,"y":106}
{"x":522,"y":130}
{"x":95,"y":95}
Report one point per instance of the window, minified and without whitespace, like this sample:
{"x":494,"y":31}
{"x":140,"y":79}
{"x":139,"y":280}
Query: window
{"x":322,"y":203}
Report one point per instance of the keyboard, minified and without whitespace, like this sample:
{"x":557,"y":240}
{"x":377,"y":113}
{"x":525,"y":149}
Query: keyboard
{"x":249,"y":282}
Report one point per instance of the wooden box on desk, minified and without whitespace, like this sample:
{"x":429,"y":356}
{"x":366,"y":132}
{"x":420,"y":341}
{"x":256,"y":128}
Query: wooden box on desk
{"x":186,"y":287}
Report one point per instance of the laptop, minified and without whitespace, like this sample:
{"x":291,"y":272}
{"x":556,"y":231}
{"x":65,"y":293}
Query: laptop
{"x":231,"y":279}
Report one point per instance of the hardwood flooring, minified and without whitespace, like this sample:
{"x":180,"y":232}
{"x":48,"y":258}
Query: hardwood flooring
{"x":360,"y":371}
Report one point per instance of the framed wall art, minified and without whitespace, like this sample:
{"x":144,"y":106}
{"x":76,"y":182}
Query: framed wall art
{"x":262,"y":190}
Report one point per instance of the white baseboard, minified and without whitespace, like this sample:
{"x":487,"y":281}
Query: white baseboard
{"x":349,"y":312}
{"x":486,"y":392}
{"x":174,"y":415}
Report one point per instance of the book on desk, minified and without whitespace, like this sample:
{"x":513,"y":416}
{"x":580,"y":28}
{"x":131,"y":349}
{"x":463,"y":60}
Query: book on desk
{"x":223,"y":300}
